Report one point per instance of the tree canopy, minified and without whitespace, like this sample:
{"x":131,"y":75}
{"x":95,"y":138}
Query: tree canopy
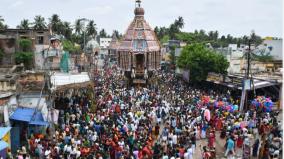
{"x":200,"y":61}
{"x":69,"y":46}
{"x":91,"y":29}
{"x":25,"y":55}
{"x":25,"y":24}
{"x":2,"y":24}
{"x":103,"y":34}
{"x":39,"y":23}
{"x":173,"y":32}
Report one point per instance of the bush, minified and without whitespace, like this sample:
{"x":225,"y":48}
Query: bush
{"x":70,"y":47}
{"x":25,"y":44}
{"x":24,"y":57}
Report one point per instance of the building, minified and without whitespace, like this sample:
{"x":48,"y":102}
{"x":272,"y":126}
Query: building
{"x":237,"y":57}
{"x":112,"y":49}
{"x":272,"y":47}
{"x":139,"y":52}
{"x":9,"y":42}
{"x":105,"y":42}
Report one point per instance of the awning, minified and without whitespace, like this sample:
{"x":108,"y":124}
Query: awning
{"x":61,"y":79}
{"x":30,"y":115}
{"x":4,"y":131}
{"x":38,"y":120}
{"x":23,"y":114}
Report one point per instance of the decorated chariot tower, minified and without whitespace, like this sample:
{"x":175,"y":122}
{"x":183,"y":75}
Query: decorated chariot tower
{"x":139,"y":51}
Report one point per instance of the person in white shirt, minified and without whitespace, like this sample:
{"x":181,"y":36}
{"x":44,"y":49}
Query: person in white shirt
{"x":190,"y":152}
{"x":185,"y":156}
{"x":165,"y":156}
{"x":174,"y":137}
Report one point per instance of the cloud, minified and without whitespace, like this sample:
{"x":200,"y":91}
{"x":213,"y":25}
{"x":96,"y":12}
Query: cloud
{"x":235,"y":17}
{"x":16,"y":4}
{"x":98,"y":10}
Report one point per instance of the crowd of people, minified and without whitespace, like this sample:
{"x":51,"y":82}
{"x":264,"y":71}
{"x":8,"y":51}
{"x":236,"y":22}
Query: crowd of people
{"x":162,"y":121}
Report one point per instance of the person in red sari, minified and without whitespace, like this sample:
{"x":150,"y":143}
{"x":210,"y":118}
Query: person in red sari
{"x":147,"y":150}
{"x":219,"y":123}
{"x":240,"y":141}
{"x":211,"y":139}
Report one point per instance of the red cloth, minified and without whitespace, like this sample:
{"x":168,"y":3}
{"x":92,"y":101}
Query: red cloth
{"x":181,"y":152}
{"x":211,"y":140}
{"x":219,"y":124}
{"x":148,"y":151}
{"x":240,"y":142}
{"x":117,"y":109}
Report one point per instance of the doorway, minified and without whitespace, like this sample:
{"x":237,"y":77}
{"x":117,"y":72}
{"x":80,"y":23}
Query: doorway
{"x":140,"y":62}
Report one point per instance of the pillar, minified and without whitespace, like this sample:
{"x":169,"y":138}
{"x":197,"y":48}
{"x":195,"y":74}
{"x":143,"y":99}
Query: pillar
{"x":280,"y":98}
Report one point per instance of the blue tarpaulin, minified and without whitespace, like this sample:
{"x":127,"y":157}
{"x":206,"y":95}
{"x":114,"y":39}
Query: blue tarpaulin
{"x":3,"y":145}
{"x":38,"y":120}
{"x":30,"y":115}
{"x":4,"y":131}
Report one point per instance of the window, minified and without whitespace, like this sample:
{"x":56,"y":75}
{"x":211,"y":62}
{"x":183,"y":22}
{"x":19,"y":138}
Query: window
{"x":39,"y":40}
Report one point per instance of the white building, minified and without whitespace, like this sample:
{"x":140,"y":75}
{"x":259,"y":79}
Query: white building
{"x":272,"y":47}
{"x":105,"y":42}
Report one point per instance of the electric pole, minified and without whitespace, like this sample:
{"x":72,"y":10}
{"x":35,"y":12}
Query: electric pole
{"x":244,"y":103}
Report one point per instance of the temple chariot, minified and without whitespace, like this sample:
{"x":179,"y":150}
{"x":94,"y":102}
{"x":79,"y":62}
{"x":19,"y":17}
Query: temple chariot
{"x":139,"y":51}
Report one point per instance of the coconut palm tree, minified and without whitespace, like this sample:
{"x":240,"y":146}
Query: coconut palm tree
{"x":78,"y":26}
{"x":55,"y":23}
{"x":24,"y":24}
{"x":39,"y":23}
{"x":179,"y":23}
{"x":91,"y":29}
{"x":66,"y":30}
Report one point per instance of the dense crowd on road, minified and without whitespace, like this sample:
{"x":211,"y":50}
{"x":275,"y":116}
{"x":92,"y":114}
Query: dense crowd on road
{"x":162,"y":121}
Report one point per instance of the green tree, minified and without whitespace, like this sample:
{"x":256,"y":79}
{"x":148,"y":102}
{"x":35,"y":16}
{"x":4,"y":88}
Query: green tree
{"x":103,"y":34}
{"x":2,"y":25}
{"x":179,"y":23}
{"x":165,"y":39}
{"x":70,"y":47}
{"x":66,"y":30}
{"x":25,"y":45}
{"x":257,"y":40}
{"x":25,"y":24}
{"x":24,"y":57}
{"x":117,"y":34}
{"x":39,"y":23}
{"x":55,"y":23}
{"x":91,"y":29}
{"x":78,"y":27}
{"x":200,"y":61}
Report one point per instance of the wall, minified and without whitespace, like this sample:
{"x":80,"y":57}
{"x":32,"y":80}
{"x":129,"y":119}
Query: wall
{"x":7,"y":86}
{"x":105,"y":42}
{"x":9,"y":38}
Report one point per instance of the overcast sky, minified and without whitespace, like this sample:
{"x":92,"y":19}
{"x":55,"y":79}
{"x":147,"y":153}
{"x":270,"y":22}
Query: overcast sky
{"x":235,"y":17}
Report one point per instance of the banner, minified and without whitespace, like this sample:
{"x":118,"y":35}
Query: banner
{"x":185,"y":75}
{"x":247,"y":84}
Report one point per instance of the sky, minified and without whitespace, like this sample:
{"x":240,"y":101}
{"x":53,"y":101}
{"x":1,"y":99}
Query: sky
{"x":235,"y":17}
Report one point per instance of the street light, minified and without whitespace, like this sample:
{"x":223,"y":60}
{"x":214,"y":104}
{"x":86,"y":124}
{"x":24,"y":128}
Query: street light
{"x":85,"y":29}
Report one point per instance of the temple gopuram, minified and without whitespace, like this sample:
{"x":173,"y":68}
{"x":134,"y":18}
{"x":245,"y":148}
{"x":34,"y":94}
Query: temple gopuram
{"x":139,"y":51}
